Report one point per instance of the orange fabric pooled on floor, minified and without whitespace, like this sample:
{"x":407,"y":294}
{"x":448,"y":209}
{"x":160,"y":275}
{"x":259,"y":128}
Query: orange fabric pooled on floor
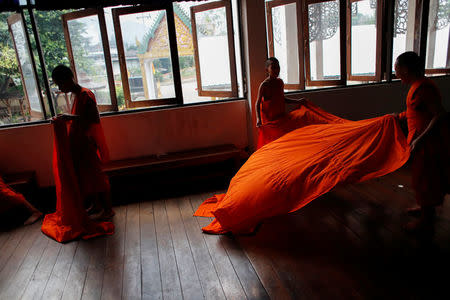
{"x":288,"y":173}
{"x":307,"y":114}
{"x":70,"y":220}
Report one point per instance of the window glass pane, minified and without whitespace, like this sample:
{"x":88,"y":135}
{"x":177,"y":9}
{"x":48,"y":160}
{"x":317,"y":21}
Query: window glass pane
{"x":438,"y":34}
{"x":324,"y":41}
{"x":89,"y":58}
{"x":14,"y":107}
{"x":404,"y":18}
{"x":285,"y":41}
{"x":213,"y":49}
{"x":213,"y":43}
{"x":147,"y":54}
{"x":54,"y":49}
{"x":363,"y":37}
{"x":28,"y":76}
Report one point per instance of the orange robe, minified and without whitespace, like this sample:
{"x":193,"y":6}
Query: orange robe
{"x":12,"y":208}
{"x":290,"y":172}
{"x":307,"y":114}
{"x":429,"y":162}
{"x":77,"y":155}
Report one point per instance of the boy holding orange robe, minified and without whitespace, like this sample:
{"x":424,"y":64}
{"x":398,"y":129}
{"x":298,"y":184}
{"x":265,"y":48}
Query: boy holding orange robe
{"x":428,"y":139}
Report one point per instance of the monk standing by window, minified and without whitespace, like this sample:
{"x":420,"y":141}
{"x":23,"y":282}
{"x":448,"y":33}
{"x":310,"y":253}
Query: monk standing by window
{"x":87,"y":144}
{"x":426,"y":117}
{"x":270,"y":104}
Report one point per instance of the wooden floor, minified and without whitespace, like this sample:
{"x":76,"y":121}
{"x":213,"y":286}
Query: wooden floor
{"x":346,"y":245}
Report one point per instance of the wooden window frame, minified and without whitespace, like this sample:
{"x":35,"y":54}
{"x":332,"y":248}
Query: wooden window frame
{"x":379,"y":39}
{"x":116,"y":13}
{"x":12,"y":19}
{"x":231,"y":49}
{"x":301,"y":68}
{"x":445,"y":70}
{"x":342,"y":32}
{"x":106,"y":51}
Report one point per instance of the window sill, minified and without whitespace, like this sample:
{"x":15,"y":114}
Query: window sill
{"x":131,"y":111}
{"x":359,"y":85}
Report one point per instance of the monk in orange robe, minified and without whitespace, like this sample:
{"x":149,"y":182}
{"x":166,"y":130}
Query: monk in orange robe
{"x":79,"y":152}
{"x":271,"y":116}
{"x":88,"y":147}
{"x":13,"y":205}
{"x":427,"y":136}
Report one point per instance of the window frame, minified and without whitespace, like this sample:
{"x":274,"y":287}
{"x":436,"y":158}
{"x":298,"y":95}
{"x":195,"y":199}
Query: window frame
{"x":379,"y":39}
{"x":342,"y":37}
{"x":231,"y":49}
{"x":13,"y":19}
{"x":106,"y":51}
{"x":116,"y":13}
{"x":445,"y":70}
{"x":269,"y":21}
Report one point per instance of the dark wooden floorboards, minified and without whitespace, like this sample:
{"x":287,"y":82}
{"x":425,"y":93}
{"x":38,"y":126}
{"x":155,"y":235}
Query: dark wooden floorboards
{"x":348,"y":244}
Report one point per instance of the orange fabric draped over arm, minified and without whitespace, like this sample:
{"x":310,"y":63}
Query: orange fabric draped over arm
{"x":288,"y":173}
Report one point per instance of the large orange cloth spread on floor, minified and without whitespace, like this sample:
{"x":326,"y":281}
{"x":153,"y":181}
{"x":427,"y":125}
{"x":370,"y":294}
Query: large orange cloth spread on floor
{"x":288,"y":173}
{"x":74,"y":160}
{"x":307,"y":114}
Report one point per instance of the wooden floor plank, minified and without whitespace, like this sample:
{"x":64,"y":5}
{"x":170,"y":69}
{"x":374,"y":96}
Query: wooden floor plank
{"x":229,"y":279}
{"x":170,"y":280}
{"x":4,"y":236}
{"x":41,"y":275}
{"x":10,"y":244}
{"x":77,"y":275}
{"x":212,"y":289}
{"x":151,"y":276}
{"x":16,"y":259}
{"x":187,"y":270}
{"x":57,"y":281}
{"x":18,"y":283}
{"x":114,"y":257}
{"x":132,"y":263}
{"x":263,"y":265}
{"x":94,"y":278}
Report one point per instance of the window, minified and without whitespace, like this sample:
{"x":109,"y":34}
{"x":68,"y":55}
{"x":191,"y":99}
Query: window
{"x":208,"y":50}
{"x":88,"y":51}
{"x":283,"y":29}
{"x":438,"y":38}
{"x":20,"y":97}
{"x":344,"y":41}
{"x":364,"y":36}
{"x":405,"y":28}
{"x":145,"y":56}
{"x":324,"y":43}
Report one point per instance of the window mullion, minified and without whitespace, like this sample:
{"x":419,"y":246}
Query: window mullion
{"x":174,"y":53}
{"x":107,"y":55}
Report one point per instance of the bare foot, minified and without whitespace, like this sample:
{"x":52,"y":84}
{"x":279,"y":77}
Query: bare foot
{"x":33,"y":218}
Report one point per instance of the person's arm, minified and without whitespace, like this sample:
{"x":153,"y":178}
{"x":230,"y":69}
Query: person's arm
{"x":258,"y":104}
{"x":66,"y":117}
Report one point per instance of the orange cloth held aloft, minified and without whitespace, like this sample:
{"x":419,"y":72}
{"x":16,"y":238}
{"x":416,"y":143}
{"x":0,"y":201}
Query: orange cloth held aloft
{"x":307,"y":114}
{"x":288,"y":173}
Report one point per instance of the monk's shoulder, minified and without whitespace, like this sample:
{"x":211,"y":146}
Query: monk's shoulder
{"x":87,"y":95}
